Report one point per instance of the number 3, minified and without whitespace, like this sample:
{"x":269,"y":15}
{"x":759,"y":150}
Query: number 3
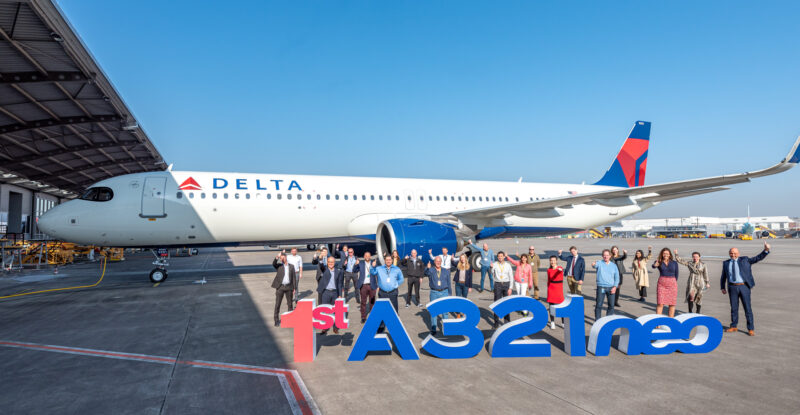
{"x":503,"y":343}
{"x":467,"y":327}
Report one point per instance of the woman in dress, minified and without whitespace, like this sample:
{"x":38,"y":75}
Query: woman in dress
{"x":667,"y":288}
{"x":555,"y":289}
{"x":619,"y":261}
{"x":639,"y":268}
{"x":523,"y":278}
{"x":698,"y":280}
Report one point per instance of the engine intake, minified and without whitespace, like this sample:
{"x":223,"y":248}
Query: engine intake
{"x":404,"y":235}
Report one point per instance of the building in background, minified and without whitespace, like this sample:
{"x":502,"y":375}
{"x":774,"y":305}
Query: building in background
{"x":695,"y":226}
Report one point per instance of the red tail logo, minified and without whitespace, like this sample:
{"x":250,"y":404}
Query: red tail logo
{"x":190,"y":184}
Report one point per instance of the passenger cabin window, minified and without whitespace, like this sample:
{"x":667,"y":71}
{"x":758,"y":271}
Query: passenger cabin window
{"x":179,"y":195}
{"x":98,"y":194}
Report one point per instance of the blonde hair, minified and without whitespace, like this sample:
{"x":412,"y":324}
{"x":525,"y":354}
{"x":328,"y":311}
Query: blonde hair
{"x":463,"y":265}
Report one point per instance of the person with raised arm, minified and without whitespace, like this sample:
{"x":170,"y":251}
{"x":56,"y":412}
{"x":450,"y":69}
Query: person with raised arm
{"x":736,"y":273}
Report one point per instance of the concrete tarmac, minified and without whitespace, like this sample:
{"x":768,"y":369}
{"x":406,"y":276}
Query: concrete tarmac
{"x":128,"y":346}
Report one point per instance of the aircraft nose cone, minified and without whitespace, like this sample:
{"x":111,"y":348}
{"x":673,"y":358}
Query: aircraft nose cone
{"x":46,"y":223}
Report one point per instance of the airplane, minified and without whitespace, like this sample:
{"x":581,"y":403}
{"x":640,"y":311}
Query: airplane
{"x":158,"y":210}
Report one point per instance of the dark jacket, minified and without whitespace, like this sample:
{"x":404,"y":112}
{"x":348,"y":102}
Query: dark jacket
{"x":361,"y":269}
{"x":431,"y":273}
{"x":326,"y":277}
{"x":620,"y":265}
{"x":412,"y":268}
{"x":580,"y":266}
{"x":467,"y":279}
{"x":321,"y":266}
{"x":744,"y":269}
{"x":282,"y":269}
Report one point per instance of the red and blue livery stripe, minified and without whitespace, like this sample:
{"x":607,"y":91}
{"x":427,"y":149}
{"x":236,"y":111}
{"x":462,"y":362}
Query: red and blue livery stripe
{"x":628,"y":169}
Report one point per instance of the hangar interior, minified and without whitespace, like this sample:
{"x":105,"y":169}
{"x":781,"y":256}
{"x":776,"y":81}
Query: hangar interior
{"x":63,"y":125}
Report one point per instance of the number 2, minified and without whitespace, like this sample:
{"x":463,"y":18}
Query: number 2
{"x":503,"y":343}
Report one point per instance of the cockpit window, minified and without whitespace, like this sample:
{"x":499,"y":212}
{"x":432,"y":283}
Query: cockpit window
{"x":98,"y":194}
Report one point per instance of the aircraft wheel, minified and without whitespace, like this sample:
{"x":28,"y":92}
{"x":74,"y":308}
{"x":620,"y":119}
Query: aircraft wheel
{"x":158,"y":275}
{"x":475,"y":261}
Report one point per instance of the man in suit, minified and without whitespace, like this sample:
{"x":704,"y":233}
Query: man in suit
{"x":737,"y":275}
{"x":320,"y":260}
{"x":285,"y":284}
{"x":574,"y":270}
{"x":330,"y":286}
{"x":414,"y":272}
{"x":348,"y":264}
{"x":366,"y":285}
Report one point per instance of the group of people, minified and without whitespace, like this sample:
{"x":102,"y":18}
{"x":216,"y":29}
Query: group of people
{"x":450,"y":275}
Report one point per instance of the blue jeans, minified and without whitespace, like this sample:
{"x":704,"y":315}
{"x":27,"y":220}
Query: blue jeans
{"x":737,"y":292}
{"x":434,"y":296}
{"x":461,"y":290}
{"x":601,"y":294}
{"x":487,"y":270}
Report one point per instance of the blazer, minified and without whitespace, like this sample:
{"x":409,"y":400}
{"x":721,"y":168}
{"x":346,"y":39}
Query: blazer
{"x":467,"y":279}
{"x":361,"y":269}
{"x":338,"y":276}
{"x":580,"y":266}
{"x":413,"y":268}
{"x":322,"y":265}
{"x":282,"y":269}
{"x":744,"y":269}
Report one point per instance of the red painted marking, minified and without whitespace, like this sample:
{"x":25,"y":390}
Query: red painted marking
{"x":190,"y":184}
{"x":289,"y":375}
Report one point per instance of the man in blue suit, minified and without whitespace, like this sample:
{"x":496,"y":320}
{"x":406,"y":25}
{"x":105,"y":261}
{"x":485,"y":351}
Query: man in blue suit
{"x":330,"y":286}
{"x":737,"y":274}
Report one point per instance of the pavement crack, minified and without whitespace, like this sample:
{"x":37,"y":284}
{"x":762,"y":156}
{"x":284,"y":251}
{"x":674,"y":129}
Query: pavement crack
{"x":183,"y":341}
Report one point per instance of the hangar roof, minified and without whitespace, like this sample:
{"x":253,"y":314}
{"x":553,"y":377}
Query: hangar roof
{"x":63,"y":125}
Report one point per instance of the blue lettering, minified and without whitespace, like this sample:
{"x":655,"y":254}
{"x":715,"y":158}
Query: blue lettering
{"x":277,"y":184}
{"x":241,"y":184}
{"x":258,"y":185}
{"x":294,"y":184}
{"x":369,"y":340}
{"x":216,"y":186}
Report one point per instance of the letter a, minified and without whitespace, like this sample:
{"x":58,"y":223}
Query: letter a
{"x":370,"y":340}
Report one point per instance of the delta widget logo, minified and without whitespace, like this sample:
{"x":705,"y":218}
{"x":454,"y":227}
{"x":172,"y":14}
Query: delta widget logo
{"x":190,"y":184}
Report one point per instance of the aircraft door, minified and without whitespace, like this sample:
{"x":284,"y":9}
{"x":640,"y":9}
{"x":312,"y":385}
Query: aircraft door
{"x":422,"y":202}
{"x":409,"y":197}
{"x":153,"y":197}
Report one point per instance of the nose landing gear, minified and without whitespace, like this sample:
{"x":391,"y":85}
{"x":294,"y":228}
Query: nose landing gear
{"x":159,"y":273}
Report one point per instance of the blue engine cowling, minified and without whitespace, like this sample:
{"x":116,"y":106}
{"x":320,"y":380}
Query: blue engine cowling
{"x":407,"y":234}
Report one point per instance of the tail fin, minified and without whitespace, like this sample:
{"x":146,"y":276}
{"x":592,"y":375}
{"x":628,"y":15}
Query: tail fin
{"x":631,"y":163}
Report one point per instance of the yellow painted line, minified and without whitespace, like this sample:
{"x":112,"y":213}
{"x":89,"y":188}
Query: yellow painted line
{"x":20,"y":294}
{"x":156,"y":284}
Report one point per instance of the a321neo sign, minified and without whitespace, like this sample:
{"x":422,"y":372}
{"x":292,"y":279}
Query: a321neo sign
{"x":651,"y":334}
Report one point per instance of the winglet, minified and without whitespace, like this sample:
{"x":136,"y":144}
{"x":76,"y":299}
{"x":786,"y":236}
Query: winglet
{"x":630,"y":165}
{"x":794,"y":153}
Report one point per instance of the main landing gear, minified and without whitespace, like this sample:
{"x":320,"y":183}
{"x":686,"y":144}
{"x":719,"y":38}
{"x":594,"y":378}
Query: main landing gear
{"x":159,"y":273}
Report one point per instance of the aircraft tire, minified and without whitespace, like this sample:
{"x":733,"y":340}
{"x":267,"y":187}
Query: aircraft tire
{"x":158,"y":275}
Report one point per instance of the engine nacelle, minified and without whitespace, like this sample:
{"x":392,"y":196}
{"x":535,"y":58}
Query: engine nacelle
{"x":407,"y":234}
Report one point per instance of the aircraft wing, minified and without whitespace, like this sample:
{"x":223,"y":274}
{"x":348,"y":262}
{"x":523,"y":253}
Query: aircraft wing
{"x":547,"y":208}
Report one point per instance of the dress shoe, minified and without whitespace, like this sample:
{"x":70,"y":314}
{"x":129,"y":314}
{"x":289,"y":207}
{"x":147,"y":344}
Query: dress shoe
{"x":323,"y":332}
{"x":731,"y":330}
{"x":335,"y":330}
{"x":363,"y":320}
{"x":433,"y":332}
{"x":751,"y":333}
{"x":277,"y":324}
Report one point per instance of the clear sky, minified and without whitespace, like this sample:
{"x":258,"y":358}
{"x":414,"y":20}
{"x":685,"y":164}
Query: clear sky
{"x":463,"y":90}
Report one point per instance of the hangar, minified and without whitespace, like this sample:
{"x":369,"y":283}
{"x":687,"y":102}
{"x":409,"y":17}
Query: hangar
{"x":63,"y":126}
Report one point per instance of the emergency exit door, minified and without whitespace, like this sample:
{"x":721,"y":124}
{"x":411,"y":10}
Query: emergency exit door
{"x":153,"y":197}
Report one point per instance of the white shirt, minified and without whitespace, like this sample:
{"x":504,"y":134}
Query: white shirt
{"x":286,"y":270}
{"x":366,"y":272}
{"x":447,"y":260}
{"x":295,"y":260}
{"x":502,"y":272}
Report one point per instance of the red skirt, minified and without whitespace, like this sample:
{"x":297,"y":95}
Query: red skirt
{"x":667,"y":291}
{"x":555,"y":292}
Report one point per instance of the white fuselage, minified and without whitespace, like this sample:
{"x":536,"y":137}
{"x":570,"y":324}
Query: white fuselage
{"x":150,"y":209}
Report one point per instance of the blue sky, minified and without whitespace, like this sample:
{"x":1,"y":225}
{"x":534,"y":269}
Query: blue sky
{"x":463,"y":90}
